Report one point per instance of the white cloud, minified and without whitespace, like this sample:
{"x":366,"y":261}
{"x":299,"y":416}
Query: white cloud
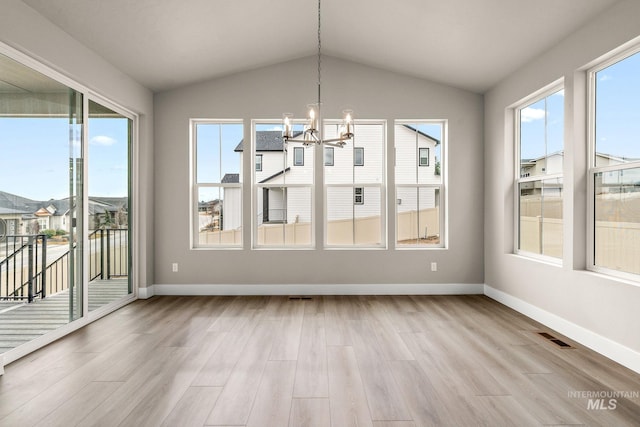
{"x":605,"y":77}
{"x":279,"y":128}
{"x":102,"y":140}
{"x":559,"y":93}
{"x":530,"y":114}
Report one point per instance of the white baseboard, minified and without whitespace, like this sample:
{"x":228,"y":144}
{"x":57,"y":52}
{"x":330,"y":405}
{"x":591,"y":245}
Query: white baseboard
{"x":603,"y":345}
{"x":145,"y":293}
{"x":299,"y":289}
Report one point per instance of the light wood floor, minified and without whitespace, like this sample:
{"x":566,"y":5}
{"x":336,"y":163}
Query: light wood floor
{"x":329,"y":361}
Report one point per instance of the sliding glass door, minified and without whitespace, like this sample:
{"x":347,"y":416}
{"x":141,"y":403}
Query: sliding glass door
{"x":65,"y":203}
{"x":110,"y":136}
{"x":41,"y":203}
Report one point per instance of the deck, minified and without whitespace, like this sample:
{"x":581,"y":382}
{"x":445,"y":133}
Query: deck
{"x":20,"y":323}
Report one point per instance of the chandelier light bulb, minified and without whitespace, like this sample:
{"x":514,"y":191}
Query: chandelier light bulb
{"x":312,"y":119}
{"x":286,"y":133}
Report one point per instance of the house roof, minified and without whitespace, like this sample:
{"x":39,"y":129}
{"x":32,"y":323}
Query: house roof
{"x":277,"y":174}
{"x":231,"y":178}
{"x":437,"y":141}
{"x":14,"y":204}
{"x":267,"y":140}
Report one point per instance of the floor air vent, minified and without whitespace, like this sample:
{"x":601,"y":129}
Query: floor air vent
{"x":554,"y":340}
{"x":298,"y":298}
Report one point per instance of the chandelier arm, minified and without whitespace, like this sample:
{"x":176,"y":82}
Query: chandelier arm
{"x":337,"y":142}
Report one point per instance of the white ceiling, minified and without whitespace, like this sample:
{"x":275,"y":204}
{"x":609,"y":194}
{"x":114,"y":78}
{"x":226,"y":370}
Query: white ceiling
{"x":471,"y":44}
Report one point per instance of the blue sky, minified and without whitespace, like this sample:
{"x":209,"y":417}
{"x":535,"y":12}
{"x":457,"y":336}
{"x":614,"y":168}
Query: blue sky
{"x":618,"y":108}
{"x":617,"y":115}
{"x":36,"y":151}
{"x":215,"y":151}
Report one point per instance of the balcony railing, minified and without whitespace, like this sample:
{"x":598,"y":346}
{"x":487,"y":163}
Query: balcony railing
{"x":21,"y":270}
{"x":26,"y":274}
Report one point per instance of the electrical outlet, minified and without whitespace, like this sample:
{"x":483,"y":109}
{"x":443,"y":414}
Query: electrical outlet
{"x":174,"y":267}
{"x":434,"y":266}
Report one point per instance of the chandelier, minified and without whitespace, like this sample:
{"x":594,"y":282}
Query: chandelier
{"x":311,"y":133}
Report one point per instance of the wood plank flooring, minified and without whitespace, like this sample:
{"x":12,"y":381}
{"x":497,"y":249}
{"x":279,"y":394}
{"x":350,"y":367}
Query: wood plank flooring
{"x":327,"y":361}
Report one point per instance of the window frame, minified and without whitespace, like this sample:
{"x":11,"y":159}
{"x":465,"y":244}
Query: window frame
{"x":355,"y":156}
{"x":441,"y":187}
{"x":257,"y":189}
{"x":196,"y":186}
{"x":519,"y":179}
{"x":324,"y":153}
{"x":358,"y":192}
{"x":593,"y":170}
{"x":296,"y":161}
{"x":258,"y":156}
{"x":379,"y":186}
{"x":420,"y":151}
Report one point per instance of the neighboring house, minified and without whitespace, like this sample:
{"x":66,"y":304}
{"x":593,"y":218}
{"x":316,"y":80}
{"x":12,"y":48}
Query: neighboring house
{"x":26,"y":216}
{"x":230,"y":209}
{"x":544,"y":165}
{"x":623,"y":181}
{"x":280,"y":165}
{"x":611,"y":182}
{"x":284,"y":174}
{"x":406,"y":172}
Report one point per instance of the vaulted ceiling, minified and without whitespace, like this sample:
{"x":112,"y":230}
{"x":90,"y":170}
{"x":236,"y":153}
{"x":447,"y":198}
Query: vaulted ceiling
{"x":471,"y":44}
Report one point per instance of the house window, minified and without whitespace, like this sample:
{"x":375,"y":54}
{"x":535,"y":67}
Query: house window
{"x":358,"y":156}
{"x":217,"y":183}
{"x":539,"y":178}
{"x":283,"y":190}
{"x":614,"y":167}
{"x":358,"y":196}
{"x":423,"y":157}
{"x":328,"y":156}
{"x":298,"y":156}
{"x":258,"y":162}
{"x":355,"y":195}
{"x":420,"y":213}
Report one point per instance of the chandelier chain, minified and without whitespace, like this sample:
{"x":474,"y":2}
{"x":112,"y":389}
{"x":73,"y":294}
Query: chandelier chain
{"x":319,"y":56}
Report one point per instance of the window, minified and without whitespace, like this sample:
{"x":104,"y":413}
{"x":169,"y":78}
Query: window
{"x":539,"y":179}
{"x":355,"y":195}
{"x":328,"y":156}
{"x":423,"y":157}
{"x":419,"y":184}
{"x":298,"y":156}
{"x":217,"y":190}
{"x":283,"y":189}
{"x":258,"y":162}
{"x":614,"y":171}
{"x":358,"y":156}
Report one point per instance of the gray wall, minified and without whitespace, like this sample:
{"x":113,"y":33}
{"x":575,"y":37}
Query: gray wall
{"x":28,"y":32}
{"x":600,"y":305}
{"x":265,"y":94}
